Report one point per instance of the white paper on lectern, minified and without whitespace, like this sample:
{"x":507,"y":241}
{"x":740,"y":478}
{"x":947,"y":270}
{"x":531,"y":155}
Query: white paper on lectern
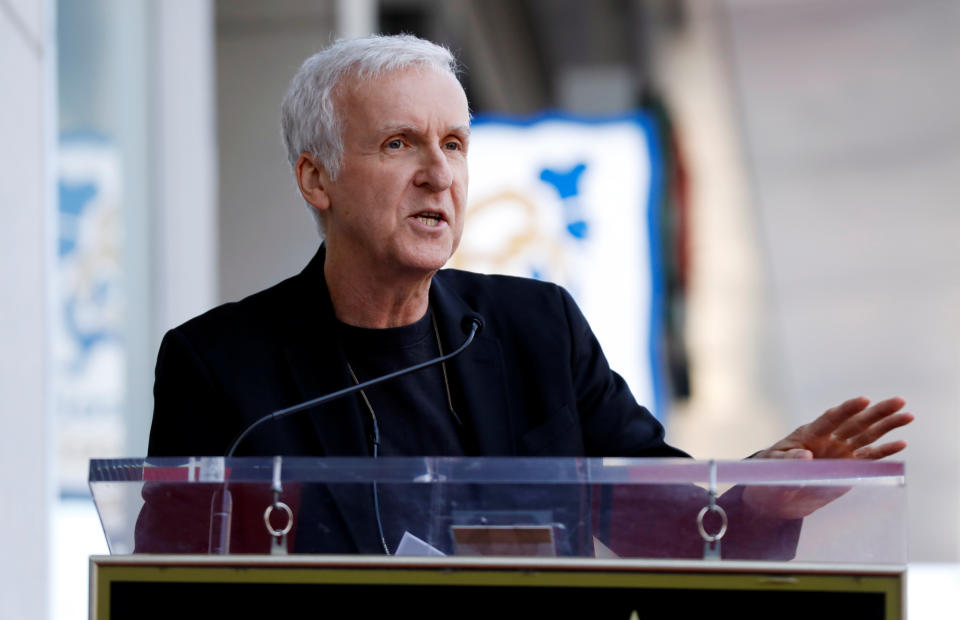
{"x":411,"y":545}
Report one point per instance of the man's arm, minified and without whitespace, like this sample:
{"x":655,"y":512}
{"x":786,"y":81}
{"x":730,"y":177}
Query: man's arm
{"x":613,"y":423}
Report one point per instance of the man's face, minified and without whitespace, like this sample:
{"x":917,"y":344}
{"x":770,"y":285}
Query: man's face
{"x":397,"y":204}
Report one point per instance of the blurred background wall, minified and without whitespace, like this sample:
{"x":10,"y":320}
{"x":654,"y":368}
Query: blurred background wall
{"x":27,"y":134}
{"x":821,"y":160}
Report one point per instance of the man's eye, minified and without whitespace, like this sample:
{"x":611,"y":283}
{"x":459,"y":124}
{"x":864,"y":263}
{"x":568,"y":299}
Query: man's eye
{"x":453,"y":145}
{"x":395,"y":144}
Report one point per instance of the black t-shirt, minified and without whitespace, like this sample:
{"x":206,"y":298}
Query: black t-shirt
{"x":413,"y":411}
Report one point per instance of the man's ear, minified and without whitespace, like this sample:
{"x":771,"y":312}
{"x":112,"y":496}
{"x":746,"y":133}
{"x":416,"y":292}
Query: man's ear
{"x":313,"y":181}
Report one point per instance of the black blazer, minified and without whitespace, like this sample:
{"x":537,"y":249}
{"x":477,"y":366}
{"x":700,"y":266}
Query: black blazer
{"x":533,"y":383}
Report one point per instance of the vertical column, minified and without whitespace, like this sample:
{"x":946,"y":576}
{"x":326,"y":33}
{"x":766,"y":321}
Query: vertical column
{"x":178,"y":277}
{"x":356,"y":18}
{"x":26,"y":124}
{"x":186,"y":152}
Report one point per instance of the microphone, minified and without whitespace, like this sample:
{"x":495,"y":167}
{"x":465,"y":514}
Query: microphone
{"x":471,"y":324}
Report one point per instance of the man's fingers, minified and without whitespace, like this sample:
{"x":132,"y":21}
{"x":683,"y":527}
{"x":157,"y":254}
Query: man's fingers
{"x":865,"y":419}
{"x":880,"y":429}
{"x":832,"y":418}
{"x":848,"y":430}
{"x":881,"y":451}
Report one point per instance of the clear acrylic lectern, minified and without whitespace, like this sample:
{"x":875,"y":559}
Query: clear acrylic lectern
{"x":846,"y":511}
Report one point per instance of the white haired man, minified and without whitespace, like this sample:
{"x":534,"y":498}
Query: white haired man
{"x":377,"y":131}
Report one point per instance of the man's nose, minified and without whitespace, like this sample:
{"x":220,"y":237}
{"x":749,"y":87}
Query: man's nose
{"x":435,"y":172}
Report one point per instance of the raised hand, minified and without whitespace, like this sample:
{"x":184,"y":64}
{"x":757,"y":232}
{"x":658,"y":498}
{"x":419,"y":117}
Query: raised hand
{"x":846,"y":431}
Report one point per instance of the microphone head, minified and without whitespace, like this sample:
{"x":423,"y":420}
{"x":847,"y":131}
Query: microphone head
{"x":468,"y":323}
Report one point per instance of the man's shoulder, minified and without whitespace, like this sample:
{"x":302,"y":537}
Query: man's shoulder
{"x":470,"y":282}
{"x":266,"y":310}
{"x":506,"y":296}
{"x":502,"y":289}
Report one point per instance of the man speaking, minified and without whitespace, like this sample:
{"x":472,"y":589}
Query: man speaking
{"x":378,"y":131}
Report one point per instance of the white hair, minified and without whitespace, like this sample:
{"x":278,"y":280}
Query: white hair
{"x":308,"y":115}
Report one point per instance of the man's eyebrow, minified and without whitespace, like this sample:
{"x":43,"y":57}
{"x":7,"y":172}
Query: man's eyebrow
{"x":392,"y":129}
{"x":388,"y":129}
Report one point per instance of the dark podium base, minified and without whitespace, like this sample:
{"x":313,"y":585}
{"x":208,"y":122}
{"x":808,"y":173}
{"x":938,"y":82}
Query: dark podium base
{"x":167,"y":586}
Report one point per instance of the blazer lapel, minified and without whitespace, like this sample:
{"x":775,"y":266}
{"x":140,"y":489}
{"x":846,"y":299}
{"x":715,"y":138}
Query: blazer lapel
{"x":318,"y":366}
{"x":339,"y":424}
{"x":479,"y":374}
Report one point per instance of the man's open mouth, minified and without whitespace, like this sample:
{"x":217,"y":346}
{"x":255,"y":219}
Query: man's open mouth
{"x":429,"y":219}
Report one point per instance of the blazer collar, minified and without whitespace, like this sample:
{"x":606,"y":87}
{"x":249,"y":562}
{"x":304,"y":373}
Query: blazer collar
{"x":478,"y":373}
{"x":318,"y":365}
